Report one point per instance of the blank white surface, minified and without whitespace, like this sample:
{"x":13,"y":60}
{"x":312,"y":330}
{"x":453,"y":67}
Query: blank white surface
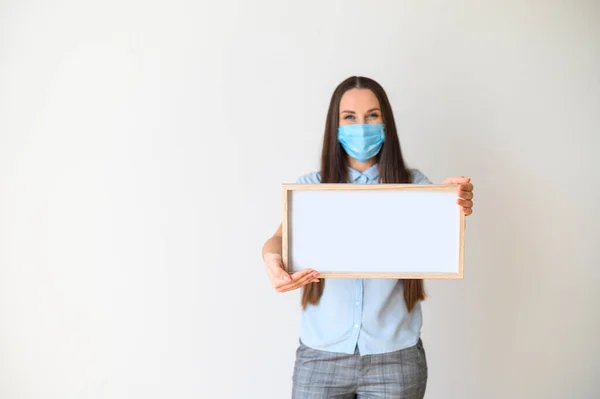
{"x":371,"y":231}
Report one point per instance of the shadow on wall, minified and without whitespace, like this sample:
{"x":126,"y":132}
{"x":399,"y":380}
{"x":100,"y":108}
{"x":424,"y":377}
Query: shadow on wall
{"x":484,"y":314}
{"x":511,"y":308}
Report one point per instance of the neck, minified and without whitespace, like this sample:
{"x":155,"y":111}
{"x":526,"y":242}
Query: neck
{"x":361,"y":166}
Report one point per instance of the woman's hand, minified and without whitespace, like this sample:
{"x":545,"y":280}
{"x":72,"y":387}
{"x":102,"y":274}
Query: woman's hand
{"x":282,"y":281}
{"x":465,"y":192}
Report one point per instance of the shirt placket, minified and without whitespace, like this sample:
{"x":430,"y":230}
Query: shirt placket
{"x":358,"y":301}
{"x":359,"y":289}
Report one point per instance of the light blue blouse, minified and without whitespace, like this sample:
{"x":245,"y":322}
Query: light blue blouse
{"x":370,"y":313}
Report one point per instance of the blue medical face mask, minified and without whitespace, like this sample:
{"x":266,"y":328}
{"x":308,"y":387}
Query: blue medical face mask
{"x":361,"y":141}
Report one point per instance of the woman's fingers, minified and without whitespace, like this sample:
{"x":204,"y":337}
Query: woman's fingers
{"x":465,"y":198}
{"x":279,"y":284}
{"x":299,"y":279}
{"x":299,"y":282}
{"x":282,"y":281}
{"x":465,"y":203}
{"x":465,"y":195}
{"x":467,"y":187}
{"x":456,"y":180}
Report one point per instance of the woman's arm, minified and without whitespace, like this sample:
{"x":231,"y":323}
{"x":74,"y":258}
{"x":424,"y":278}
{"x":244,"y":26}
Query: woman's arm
{"x":273,"y":244}
{"x":465,"y":192}
{"x":280,"y":280}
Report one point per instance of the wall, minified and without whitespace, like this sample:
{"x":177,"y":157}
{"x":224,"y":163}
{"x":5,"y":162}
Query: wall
{"x":142,"y":148}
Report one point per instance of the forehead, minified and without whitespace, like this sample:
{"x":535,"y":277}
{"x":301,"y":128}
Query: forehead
{"x":358,"y":100}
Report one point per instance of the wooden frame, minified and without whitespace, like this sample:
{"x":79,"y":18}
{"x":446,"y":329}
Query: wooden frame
{"x":287,"y":189}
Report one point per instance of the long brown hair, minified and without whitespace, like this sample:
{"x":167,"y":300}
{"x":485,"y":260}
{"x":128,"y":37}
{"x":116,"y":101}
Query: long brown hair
{"x":334,"y":169}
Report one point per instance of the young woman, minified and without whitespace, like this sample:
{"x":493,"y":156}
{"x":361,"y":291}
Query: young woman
{"x":359,"y":337}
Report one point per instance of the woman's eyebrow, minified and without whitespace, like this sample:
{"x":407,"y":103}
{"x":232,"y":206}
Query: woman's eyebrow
{"x":352,"y":112}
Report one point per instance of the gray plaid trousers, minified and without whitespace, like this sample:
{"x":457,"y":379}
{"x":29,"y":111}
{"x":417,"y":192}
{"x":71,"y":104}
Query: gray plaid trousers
{"x":401,"y":374}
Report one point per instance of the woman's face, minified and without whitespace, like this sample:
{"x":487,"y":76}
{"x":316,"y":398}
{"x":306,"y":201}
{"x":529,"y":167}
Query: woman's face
{"x":359,"y":106}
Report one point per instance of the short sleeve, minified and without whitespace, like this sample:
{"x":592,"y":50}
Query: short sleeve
{"x":310,"y":178}
{"x":418,"y":177}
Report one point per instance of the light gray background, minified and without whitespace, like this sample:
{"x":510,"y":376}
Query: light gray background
{"x":142,"y":148}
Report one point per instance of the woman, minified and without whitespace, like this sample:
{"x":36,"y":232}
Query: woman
{"x":359,"y":337}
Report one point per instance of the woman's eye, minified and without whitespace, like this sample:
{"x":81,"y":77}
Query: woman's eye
{"x":374,"y":115}
{"x":348,"y":117}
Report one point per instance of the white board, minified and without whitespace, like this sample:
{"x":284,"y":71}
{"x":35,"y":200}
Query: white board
{"x":383,"y":230}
